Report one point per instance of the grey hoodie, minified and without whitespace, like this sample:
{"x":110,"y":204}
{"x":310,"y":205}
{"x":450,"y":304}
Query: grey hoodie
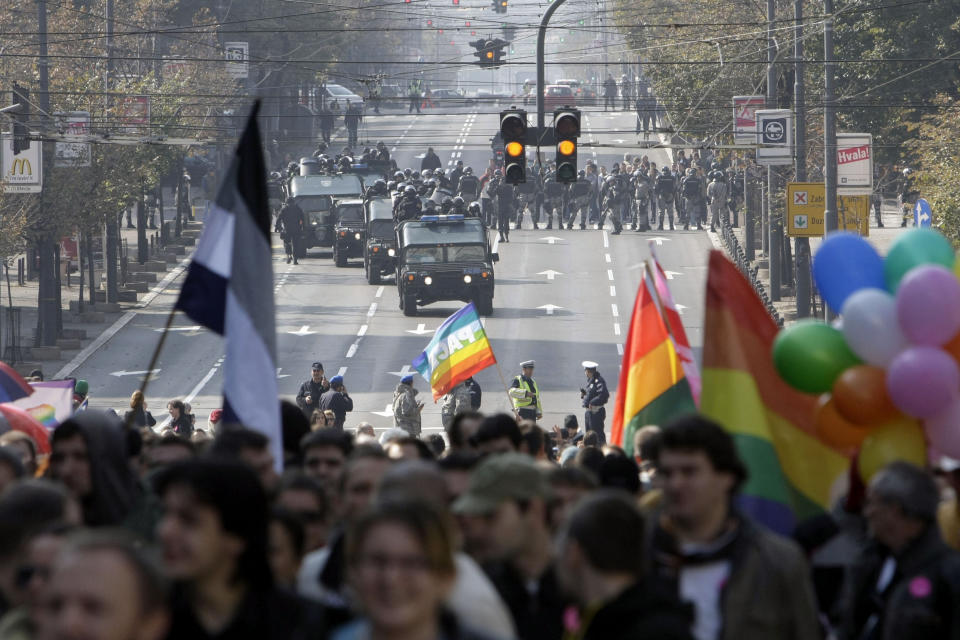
{"x":406,"y":412}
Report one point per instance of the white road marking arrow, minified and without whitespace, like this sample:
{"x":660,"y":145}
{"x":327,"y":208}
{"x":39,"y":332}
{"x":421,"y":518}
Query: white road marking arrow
{"x":303,"y":331}
{"x":120,"y":374}
{"x":659,"y":240}
{"x":193,"y":328}
{"x":284,"y":375}
{"x":386,"y":413}
{"x":550,"y":308}
{"x":550,"y":273}
{"x":670,"y":274}
{"x":551,"y":239}
{"x":403,"y":372}
{"x":680,"y":308}
{"x":420,"y":330}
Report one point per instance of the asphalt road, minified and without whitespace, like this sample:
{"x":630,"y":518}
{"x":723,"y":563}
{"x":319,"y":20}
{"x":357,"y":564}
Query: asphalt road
{"x":561,"y":297}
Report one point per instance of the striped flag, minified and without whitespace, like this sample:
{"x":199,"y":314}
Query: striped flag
{"x":229,"y":289}
{"x":458,"y":350}
{"x":679,"y":333}
{"x":653,"y":386}
{"x":791,"y":471}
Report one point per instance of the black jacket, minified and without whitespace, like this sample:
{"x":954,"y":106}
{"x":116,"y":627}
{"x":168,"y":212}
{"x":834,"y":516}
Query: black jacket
{"x":430,"y":161}
{"x":139,"y":417}
{"x":921,"y":601}
{"x":313,"y":389}
{"x":537,"y":616}
{"x":640,"y":613}
{"x":271,"y":615}
{"x":337,"y":402}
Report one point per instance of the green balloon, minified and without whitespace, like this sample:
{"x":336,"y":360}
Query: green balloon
{"x":811,"y":355}
{"x":912,"y":249}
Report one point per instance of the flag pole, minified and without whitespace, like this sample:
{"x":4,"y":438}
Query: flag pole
{"x":153,"y":360}
{"x":506,"y":388}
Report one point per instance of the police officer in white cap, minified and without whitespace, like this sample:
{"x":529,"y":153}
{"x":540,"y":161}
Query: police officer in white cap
{"x":594,"y":397}
{"x":526,"y":394}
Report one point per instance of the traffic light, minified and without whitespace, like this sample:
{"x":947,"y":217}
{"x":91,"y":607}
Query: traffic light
{"x":500,"y":6}
{"x":21,"y":132}
{"x":456,"y":3}
{"x":489,"y":52}
{"x":566,"y":130}
{"x":513,"y":130}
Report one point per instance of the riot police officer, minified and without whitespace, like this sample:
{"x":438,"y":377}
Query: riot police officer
{"x":469,"y":186}
{"x":593,"y":398}
{"x":506,"y":206}
{"x":408,"y":206}
{"x":383,"y":154}
{"x":378,"y":190}
{"x":664,"y":189}
{"x":690,"y":189}
{"x":642,"y":196}
{"x":459,"y":207}
{"x":612,"y":203}
{"x":717,"y":197}
{"x":473,"y":210}
{"x":290,"y":225}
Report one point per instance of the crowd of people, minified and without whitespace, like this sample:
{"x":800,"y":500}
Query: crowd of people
{"x":129,"y":530}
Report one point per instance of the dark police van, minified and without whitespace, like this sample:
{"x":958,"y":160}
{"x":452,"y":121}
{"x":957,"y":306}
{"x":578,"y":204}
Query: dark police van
{"x":380,"y":254}
{"x":314,"y":194}
{"x":350,"y":231}
{"x":445,"y":257}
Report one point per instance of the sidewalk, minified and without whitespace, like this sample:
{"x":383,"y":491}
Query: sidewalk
{"x":880,"y":238}
{"x":84,"y":332}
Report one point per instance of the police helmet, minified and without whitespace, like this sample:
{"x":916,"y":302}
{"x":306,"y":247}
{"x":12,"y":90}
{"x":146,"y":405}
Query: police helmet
{"x":399,"y":176}
{"x":407,"y":172}
{"x":690,"y":171}
{"x":380,"y":184}
{"x":380,"y":144}
{"x":458,"y":201}
{"x":448,"y":201}
{"x":498,"y":173}
{"x":581,"y":174}
{"x":609,"y":179}
{"x":714,"y":165}
{"x":474,"y":208}
{"x":426,"y":173}
{"x":438,"y":173}
{"x":430,"y":205}
{"x":410,"y":190}
{"x":666,"y":171}
{"x":468,"y":171}
{"x":345,"y":162}
{"x":391,"y":186}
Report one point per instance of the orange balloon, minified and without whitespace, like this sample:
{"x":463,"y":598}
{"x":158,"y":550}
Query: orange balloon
{"x":835,"y":430}
{"x":860,"y":395}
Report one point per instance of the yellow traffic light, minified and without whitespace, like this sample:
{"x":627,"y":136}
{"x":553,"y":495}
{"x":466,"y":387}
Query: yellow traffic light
{"x":514,"y":149}
{"x":566,"y":147}
{"x":489,"y":55}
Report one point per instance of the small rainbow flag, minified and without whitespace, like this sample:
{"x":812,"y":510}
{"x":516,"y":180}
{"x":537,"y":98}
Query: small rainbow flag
{"x":458,"y":350}
{"x":653,"y":387}
{"x":791,"y":471}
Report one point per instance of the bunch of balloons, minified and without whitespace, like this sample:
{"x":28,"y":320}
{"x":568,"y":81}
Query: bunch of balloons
{"x":888,"y":371}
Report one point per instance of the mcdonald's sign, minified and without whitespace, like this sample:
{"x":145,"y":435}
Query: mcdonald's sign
{"x":21,"y":172}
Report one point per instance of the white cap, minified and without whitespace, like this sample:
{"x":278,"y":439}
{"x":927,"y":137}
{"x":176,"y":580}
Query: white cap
{"x":589,"y":364}
{"x":527,"y":363}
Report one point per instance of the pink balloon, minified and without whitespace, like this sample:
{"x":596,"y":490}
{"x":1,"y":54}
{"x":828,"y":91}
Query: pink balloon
{"x":923,"y":381}
{"x":928,"y":305}
{"x":943,"y":431}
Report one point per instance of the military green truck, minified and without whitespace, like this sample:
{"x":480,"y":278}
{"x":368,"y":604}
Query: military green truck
{"x":444,"y":257}
{"x":380,"y":253}
{"x":349,"y":230}
{"x":314,"y":194}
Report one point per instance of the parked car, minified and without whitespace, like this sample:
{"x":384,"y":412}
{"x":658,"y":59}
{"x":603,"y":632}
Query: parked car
{"x":342,"y":95}
{"x":449,"y":98}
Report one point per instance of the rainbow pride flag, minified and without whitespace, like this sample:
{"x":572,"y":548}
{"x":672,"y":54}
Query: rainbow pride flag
{"x":458,"y":350}
{"x":653,"y":386}
{"x":791,"y":471}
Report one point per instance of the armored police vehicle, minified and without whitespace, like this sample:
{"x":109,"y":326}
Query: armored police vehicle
{"x":314,"y":194}
{"x":350,"y":231}
{"x":380,"y":253}
{"x":444,"y":257}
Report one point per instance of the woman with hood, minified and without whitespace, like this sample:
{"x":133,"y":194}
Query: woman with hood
{"x":406,"y":407}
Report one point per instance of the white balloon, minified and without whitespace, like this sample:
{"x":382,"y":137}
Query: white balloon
{"x":870,"y":326}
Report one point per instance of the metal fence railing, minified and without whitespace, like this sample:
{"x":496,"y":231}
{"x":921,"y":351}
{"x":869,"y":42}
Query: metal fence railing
{"x":739,"y":257}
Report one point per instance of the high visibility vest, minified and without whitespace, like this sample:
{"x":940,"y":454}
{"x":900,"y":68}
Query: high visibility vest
{"x":522,"y":403}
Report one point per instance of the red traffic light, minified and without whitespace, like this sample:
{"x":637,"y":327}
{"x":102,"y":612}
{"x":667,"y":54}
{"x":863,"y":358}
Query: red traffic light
{"x":473,"y":33}
{"x":429,"y":23}
{"x":467,"y":24}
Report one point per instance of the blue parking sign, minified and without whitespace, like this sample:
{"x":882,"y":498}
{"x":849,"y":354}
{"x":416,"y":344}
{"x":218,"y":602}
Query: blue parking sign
{"x":922,"y":213}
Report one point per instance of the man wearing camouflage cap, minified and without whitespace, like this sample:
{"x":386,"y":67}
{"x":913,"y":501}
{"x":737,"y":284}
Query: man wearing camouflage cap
{"x":504,"y":517}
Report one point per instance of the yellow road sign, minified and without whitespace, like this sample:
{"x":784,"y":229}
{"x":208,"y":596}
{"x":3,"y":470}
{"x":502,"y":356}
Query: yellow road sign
{"x":805,"y":206}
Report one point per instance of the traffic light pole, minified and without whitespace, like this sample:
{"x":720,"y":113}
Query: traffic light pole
{"x":541,"y":71}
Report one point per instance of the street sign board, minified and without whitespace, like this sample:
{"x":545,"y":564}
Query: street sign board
{"x":72,"y":154}
{"x":775,"y":136}
{"x":135,"y":113}
{"x":805,"y":209}
{"x":22,"y":172}
{"x":855,"y":163}
{"x":238,"y":59}
{"x":922,"y":213}
{"x":745,"y":118}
